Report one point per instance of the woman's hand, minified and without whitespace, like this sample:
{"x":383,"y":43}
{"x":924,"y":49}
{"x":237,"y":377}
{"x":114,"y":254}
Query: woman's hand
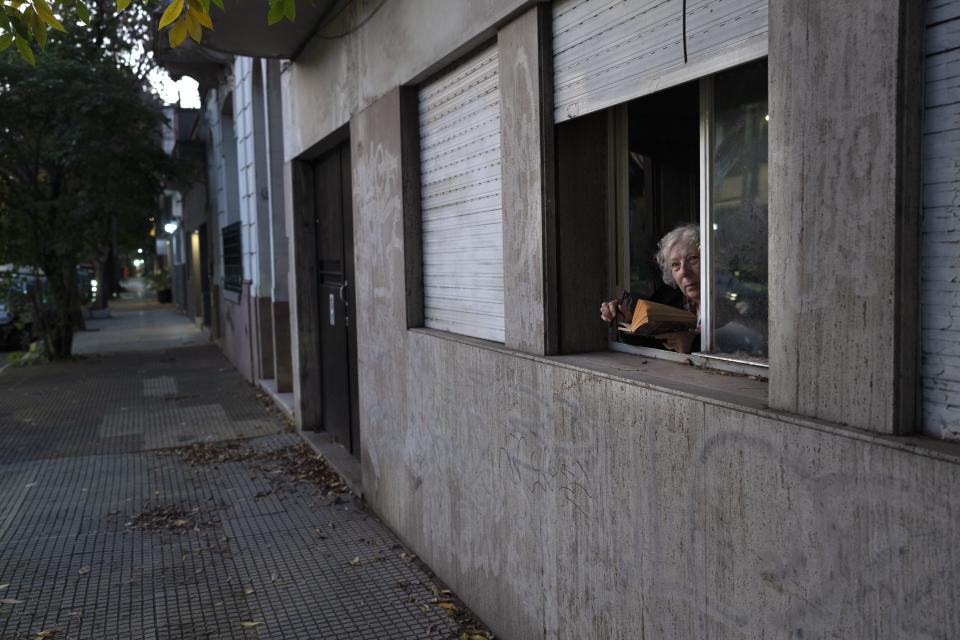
{"x":614,"y":310}
{"x":679,"y":341}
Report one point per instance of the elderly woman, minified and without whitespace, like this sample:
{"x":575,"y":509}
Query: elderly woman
{"x":678,"y":254}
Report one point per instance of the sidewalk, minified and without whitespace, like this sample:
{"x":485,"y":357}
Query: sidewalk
{"x":137,"y":322}
{"x":130,"y":509}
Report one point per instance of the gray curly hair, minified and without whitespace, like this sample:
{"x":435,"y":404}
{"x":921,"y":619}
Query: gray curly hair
{"x":686,"y":234}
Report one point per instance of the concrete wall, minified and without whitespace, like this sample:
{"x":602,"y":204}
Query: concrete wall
{"x":580,"y":498}
{"x":604,"y":496}
{"x":237,"y":340}
{"x":279,"y":253}
{"x":844,"y":210}
{"x":335,"y":78}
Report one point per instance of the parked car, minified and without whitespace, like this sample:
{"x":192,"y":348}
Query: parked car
{"x":17,"y":328}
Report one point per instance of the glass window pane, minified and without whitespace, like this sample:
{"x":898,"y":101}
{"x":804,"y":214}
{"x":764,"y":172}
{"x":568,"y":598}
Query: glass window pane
{"x":739,"y":211}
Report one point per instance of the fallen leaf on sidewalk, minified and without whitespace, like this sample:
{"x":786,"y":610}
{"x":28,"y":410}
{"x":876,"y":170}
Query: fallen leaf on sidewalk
{"x":11,"y":601}
{"x":84,"y":569}
{"x":249,"y":624}
{"x":247,"y":591}
{"x":4,"y":586}
{"x":355,"y":562}
{"x":49,"y":633}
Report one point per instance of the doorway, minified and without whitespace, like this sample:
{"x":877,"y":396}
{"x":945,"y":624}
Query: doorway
{"x":332,"y":199}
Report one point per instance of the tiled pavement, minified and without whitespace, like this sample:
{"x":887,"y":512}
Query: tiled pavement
{"x":84,"y":461}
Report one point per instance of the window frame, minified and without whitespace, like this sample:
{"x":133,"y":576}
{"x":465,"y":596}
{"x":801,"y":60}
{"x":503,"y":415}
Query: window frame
{"x":231,"y":235}
{"x":618,"y":225}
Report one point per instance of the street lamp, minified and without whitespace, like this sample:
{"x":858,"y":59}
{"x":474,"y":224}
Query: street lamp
{"x":170,"y":227}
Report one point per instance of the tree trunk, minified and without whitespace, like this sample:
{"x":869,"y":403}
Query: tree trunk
{"x":62,"y":280}
{"x":105,"y":281}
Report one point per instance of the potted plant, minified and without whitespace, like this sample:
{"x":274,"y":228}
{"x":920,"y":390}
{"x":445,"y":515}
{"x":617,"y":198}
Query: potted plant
{"x":159,"y":281}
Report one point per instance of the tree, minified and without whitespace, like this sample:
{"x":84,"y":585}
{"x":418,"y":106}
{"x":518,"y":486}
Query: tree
{"x":24,"y":22}
{"x":79,"y":151}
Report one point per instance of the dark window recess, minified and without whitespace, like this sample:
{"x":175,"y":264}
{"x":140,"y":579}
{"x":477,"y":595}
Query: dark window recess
{"x":232,"y":258}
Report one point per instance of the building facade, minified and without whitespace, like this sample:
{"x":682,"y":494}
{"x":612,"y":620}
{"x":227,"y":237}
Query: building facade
{"x":232,"y":273}
{"x":463,"y":186}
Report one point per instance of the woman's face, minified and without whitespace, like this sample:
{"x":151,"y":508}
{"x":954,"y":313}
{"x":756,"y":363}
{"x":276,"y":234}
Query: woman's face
{"x":684,"y":263}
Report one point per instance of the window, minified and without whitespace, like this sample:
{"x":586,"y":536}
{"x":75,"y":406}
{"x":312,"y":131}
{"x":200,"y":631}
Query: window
{"x":461,"y":202}
{"x":232,"y":258}
{"x":695,"y":154}
{"x":735,"y":218}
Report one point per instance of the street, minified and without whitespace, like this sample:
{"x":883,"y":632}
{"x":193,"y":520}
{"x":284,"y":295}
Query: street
{"x":152,"y":494}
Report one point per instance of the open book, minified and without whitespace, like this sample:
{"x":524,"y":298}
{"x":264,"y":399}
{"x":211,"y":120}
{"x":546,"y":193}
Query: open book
{"x":651,"y":318}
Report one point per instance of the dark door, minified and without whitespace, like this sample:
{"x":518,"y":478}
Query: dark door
{"x":334,"y":224}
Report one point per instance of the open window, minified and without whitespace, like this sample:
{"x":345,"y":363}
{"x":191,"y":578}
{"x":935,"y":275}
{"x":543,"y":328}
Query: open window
{"x":694,"y":154}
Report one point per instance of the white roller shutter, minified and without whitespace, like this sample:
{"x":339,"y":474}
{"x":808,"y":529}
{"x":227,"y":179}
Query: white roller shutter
{"x":610,"y":51}
{"x":940,"y":243}
{"x":461,"y":200}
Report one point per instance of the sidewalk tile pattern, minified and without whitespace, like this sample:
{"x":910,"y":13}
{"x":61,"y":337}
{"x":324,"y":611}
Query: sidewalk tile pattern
{"x":82,"y":459}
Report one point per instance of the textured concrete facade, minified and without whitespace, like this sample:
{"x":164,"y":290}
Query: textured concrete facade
{"x":844,"y":211}
{"x":335,"y":78}
{"x":567,"y":502}
{"x":601,"y":495}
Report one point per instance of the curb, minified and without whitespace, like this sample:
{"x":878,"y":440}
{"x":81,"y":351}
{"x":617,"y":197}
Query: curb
{"x":337,"y":457}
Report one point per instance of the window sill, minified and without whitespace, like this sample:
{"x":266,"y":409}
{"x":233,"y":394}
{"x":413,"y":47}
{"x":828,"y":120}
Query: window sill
{"x":735,"y":392}
{"x":718,"y":362}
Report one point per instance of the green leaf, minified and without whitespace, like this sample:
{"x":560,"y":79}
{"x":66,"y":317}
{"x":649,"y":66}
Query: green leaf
{"x":39,"y":30}
{"x":25,"y":51}
{"x":171,"y":13}
{"x":276,"y":12}
{"x":219,"y":3}
{"x":83,"y":13}
{"x":46,"y":14}
{"x":290,"y":10}
{"x":123,"y":4}
{"x":5,"y":41}
{"x":20,"y":25}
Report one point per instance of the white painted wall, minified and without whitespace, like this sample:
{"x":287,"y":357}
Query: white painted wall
{"x":940,"y":253}
{"x":243,"y":118}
